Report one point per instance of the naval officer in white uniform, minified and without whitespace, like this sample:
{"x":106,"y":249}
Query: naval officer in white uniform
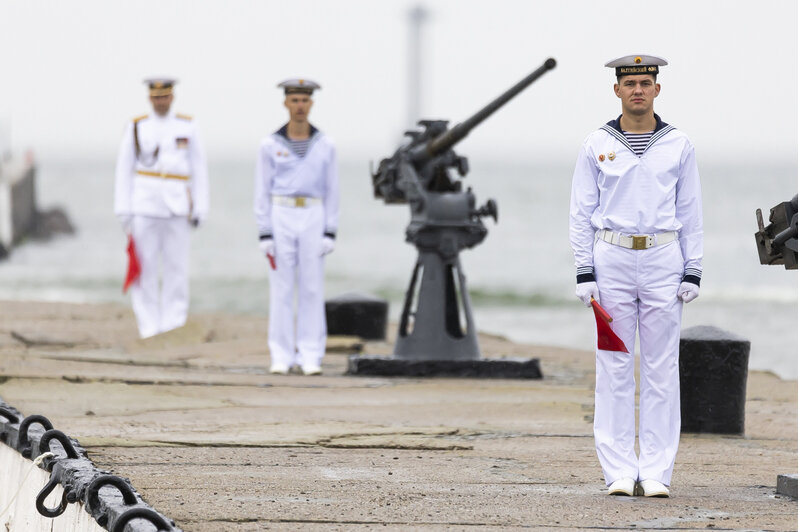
{"x":161,"y":193}
{"x":296,"y":210}
{"x":637,"y":235}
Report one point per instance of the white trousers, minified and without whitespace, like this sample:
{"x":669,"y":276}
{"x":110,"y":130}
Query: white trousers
{"x":160,"y":296}
{"x":638,"y":289}
{"x":297,"y":233}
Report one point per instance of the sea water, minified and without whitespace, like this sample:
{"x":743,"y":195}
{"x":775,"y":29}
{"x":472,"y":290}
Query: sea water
{"x":521,"y":278}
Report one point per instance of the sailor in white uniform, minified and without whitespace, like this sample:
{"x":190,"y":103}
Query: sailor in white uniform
{"x":636,"y":231}
{"x":161,"y":193}
{"x":296,"y":210}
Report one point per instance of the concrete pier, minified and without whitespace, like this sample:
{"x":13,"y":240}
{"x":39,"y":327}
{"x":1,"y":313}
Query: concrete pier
{"x":210,"y":439}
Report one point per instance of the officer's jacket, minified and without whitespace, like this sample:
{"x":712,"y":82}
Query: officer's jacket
{"x":658,"y":191}
{"x":161,"y":170}
{"x":281,"y":172}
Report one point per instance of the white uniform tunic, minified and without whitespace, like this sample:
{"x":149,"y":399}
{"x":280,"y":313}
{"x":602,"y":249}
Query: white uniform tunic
{"x":656,"y":192}
{"x":297,"y":232}
{"x":162,"y":185}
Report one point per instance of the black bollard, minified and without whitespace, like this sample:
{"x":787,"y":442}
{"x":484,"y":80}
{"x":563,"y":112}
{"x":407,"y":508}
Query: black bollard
{"x":361,"y":315}
{"x":713,"y":370}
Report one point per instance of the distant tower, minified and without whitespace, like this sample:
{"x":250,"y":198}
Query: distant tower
{"x":416,"y":16}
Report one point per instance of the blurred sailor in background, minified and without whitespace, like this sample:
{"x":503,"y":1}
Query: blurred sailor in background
{"x":161,"y":193}
{"x":296,"y":210}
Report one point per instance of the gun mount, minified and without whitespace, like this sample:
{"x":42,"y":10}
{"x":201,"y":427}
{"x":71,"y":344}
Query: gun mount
{"x":777,"y":242}
{"x":444,"y":219}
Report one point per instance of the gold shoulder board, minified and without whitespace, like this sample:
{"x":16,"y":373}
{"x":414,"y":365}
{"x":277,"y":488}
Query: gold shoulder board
{"x":140,"y":118}
{"x":184,"y":117}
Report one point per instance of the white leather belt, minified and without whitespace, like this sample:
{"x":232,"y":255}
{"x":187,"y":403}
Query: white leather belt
{"x":295,"y":201}
{"x":636,"y":241}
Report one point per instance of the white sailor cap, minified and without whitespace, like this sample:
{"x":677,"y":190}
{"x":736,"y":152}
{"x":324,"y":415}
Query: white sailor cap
{"x":636,"y":64}
{"x":160,"y":86}
{"x":299,"y":85}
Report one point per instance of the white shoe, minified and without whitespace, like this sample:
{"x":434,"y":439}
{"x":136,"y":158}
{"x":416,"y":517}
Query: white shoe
{"x":653,"y":488}
{"x":622,"y":486}
{"x":279,"y":369}
{"x":309,"y":369}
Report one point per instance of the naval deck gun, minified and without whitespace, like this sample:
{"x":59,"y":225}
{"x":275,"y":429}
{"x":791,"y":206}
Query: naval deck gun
{"x":777,"y":243}
{"x":444,"y":219}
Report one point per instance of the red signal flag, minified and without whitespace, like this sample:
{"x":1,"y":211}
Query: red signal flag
{"x":133,"y":266}
{"x":607,"y":340}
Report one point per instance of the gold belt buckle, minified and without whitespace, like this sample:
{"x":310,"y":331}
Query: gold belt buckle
{"x":639,"y":241}
{"x":299,"y":201}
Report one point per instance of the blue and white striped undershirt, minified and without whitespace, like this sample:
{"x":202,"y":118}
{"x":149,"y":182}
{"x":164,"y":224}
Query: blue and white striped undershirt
{"x":638,"y":141}
{"x":300,"y":147}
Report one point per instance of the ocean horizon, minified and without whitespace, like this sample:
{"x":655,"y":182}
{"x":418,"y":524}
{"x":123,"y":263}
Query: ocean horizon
{"x":520,"y":279}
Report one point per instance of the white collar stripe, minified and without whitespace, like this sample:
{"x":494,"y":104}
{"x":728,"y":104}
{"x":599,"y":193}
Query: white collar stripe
{"x":615,"y":133}
{"x":620,"y":136}
{"x":659,"y":134}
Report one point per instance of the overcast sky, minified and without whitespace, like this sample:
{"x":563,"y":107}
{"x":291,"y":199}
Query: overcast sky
{"x":72,"y":69}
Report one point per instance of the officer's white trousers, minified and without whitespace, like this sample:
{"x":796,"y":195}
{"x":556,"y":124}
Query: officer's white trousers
{"x":638,"y":289}
{"x":297,"y":233}
{"x":160,"y":297}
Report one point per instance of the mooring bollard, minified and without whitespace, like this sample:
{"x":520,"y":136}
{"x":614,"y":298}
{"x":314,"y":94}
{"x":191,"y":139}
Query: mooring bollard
{"x":713,"y":370}
{"x":362,"y":315}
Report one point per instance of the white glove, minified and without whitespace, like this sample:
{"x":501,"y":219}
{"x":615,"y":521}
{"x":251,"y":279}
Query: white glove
{"x":266,"y":246}
{"x":126,"y":221}
{"x":687,"y":292}
{"x":327,"y":245}
{"x":585,"y":291}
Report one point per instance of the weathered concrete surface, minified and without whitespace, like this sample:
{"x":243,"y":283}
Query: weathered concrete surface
{"x":210,"y":439}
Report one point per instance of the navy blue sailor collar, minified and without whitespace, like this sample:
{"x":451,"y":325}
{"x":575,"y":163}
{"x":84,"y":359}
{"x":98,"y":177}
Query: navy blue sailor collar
{"x":613,"y":127}
{"x":283,"y":131}
{"x":282,"y":134}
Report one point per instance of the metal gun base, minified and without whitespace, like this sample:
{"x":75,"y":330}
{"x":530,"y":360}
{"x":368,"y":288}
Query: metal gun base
{"x":500,"y":368}
{"x":436,"y":321}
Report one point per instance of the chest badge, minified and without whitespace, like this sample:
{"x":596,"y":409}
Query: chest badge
{"x":601,"y":157}
{"x":611,"y":156}
{"x":182,"y":142}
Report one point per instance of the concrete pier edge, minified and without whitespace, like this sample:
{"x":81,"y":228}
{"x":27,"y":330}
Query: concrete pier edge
{"x":77,"y":475}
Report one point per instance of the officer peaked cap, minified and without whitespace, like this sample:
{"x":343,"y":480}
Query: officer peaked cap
{"x":160,"y":86}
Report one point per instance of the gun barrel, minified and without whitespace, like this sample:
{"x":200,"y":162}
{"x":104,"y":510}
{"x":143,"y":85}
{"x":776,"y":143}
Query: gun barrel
{"x":457,"y":133}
